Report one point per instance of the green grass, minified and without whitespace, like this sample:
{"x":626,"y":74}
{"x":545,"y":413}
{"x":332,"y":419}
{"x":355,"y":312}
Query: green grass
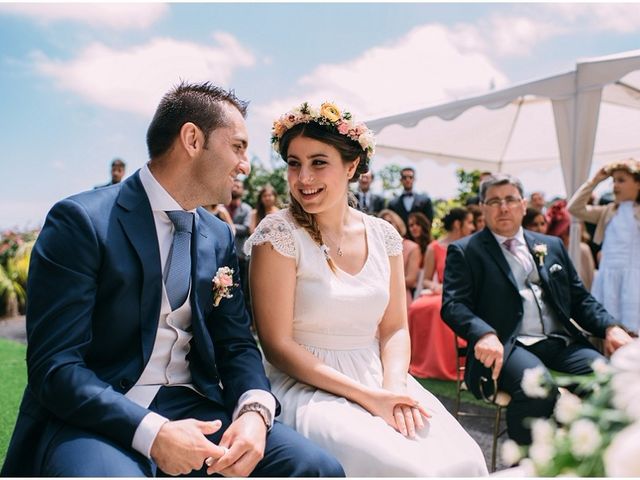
{"x":447,"y":388}
{"x":13,"y":378}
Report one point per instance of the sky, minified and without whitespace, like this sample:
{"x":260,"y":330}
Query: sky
{"x":79,"y":82}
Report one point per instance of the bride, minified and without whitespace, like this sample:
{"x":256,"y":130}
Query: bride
{"x":329,"y":302}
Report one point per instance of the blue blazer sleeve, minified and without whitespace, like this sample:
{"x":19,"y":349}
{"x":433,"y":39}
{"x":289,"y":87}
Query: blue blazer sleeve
{"x":61,"y":289}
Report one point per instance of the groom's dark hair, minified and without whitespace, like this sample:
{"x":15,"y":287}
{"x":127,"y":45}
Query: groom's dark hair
{"x":200,"y":104}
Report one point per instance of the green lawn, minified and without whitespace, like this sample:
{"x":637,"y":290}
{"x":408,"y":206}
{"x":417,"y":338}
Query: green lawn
{"x":447,"y":388}
{"x":13,"y":378}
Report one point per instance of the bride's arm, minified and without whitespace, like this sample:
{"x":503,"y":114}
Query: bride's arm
{"x":273,"y":282}
{"x":395,"y":346}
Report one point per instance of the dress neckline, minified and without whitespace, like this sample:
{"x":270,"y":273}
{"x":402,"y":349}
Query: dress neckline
{"x":368,"y":246}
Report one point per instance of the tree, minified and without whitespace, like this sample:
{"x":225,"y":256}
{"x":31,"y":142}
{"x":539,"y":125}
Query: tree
{"x":469,"y":184}
{"x":260,"y":176}
{"x":390,"y":176}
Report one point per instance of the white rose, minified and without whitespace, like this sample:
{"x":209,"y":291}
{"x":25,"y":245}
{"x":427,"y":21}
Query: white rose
{"x":532,"y":383}
{"x":622,"y":457}
{"x":510,"y":452}
{"x":528,"y":467}
{"x":541,"y":454}
{"x":601,"y":366}
{"x":585,"y":438}
{"x":567,"y":408}
{"x":625,"y":382}
{"x":542,"y":431}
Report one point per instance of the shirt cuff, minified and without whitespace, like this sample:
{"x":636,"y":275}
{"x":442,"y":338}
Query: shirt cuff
{"x":262,"y":397}
{"x":147,"y":432}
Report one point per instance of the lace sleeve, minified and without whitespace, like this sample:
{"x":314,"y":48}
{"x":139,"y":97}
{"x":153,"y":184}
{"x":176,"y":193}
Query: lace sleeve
{"x":392,"y":239}
{"x":276,"y":230}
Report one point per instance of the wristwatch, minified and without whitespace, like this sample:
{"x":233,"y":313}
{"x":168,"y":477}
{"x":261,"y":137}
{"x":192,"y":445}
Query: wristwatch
{"x":258,"y":408}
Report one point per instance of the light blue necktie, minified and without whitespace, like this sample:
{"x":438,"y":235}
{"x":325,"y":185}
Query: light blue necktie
{"x":178,"y":269}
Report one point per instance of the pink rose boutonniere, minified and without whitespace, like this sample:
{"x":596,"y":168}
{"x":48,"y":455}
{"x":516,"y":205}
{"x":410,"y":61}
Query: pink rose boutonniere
{"x":540,"y":251}
{"x":222,"y":284}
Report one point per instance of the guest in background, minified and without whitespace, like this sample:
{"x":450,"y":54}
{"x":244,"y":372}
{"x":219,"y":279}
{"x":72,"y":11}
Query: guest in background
{"x":368,"y":202}
{"x":410,"y":201}
{"x":536,"y":200}
{"x":433,"y":354}
{"x":560,"y":226}
{"x":241,"y":214}
{"x":267,"y":203}
{"x":618,"y":230}
{"x":220,"y":211}
{"x":117,"y":173}
{"x":411,"y":255}
{"x":534,"y":220}
{"x":420,"y":232}
{"x":478,"y":216}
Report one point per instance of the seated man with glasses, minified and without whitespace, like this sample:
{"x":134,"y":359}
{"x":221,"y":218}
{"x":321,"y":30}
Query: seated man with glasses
{"x":410,"y":201}
{"x":510,"y":293}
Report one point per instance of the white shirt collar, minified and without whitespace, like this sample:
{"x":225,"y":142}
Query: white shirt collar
{"x":519,"y":236}
{"x":159,"y":199}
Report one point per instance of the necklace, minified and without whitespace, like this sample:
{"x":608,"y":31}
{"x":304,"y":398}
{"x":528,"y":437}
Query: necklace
{"x":337,"y":244}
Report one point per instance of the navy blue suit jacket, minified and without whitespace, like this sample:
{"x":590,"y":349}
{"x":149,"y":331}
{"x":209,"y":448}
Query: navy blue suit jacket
{"x":95,"y":290}
{"x":480,"y":295}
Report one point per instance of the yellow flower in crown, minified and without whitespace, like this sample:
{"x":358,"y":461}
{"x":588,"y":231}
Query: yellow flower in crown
{"x":330,"y":112}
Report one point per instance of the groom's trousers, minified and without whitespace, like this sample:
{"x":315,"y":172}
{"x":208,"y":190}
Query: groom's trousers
{"x":80,"y":453}
{"x":552,"y":353}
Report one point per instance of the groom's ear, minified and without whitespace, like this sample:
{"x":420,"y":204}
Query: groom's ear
{"x":191,"y":138}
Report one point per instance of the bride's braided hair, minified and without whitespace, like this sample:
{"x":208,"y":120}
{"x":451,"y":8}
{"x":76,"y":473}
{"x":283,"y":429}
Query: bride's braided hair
{"x":349,"y":151}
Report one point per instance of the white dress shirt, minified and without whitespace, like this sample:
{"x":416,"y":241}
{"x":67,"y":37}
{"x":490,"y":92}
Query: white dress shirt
{"x":168,"y":365}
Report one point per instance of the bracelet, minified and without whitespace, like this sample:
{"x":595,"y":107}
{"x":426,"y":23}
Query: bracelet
{"x":258,"y":408}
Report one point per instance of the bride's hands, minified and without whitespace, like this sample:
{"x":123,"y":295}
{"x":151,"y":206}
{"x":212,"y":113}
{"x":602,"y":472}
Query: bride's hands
{"x":399,"y":410}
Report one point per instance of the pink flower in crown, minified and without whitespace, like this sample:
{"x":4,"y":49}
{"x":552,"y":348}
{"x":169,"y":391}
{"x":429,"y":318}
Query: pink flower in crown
{"x":289,"y":120}
{"x":222,"y":285}
{"x":343,"y":128}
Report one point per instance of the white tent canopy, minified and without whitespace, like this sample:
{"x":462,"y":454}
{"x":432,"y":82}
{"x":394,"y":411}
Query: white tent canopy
{"x":590,"y":113}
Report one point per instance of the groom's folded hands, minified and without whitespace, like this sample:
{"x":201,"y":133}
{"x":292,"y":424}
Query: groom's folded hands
{"x":181,"y":446}
{"x":244,"y":443}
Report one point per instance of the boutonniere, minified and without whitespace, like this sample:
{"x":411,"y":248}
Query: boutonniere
{"x":222,"y":285}
{"x":540,"y":251}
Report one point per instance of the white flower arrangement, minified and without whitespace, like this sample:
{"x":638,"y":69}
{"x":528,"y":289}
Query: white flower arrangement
{"x":594,"y":436}
{"x":533,"y":383}
{"x":330,"y":116}
{"x":540,"y":251}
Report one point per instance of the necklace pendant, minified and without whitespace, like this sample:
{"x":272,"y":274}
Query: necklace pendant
{"x":339,"y":252}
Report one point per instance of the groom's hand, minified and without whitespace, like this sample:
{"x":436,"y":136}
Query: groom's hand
{"x":246,"y":439}
{"x":489,"y":351}
{"x":181,"y":446}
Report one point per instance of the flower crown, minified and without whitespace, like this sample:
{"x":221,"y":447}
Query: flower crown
{"x":330,"y":116}
{"x":630,"y":165}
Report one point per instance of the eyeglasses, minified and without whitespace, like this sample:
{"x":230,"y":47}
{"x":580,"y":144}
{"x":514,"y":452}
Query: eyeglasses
{"x":404,"y":177}
{"x":510,"y":202}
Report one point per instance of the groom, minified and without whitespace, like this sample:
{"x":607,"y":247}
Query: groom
{"x":511,"y":294}
{"x":132,"y":369}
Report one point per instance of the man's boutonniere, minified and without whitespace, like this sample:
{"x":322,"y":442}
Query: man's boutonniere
{"x":540,"y":251}
{"x":222,"y":284}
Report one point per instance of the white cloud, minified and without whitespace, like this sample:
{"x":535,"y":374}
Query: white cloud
{"x":613,"y":17}
{"x":134,"y":80}
{"x":110,"y":15}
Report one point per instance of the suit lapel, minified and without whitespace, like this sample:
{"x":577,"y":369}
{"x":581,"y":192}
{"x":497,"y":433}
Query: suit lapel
{"x":542,"y":270}
{"x":492,"y":247}
{"x":137,"y":222}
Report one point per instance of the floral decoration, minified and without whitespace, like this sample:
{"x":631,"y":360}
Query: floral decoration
{"x":540,"y":251}
{"x":331,"y":117}
{"x":593,"y":434}
{"x":222,"y":285}
{"x":630,"y":165}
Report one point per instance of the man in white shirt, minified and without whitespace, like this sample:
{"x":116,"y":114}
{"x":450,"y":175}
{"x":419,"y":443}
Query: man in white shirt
{"x":140,"y":354}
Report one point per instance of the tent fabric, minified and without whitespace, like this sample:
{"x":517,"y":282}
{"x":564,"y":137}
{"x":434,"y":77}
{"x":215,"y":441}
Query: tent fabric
{"x":588,"y":115}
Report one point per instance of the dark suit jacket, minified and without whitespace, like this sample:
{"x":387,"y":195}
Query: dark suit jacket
{"x":95,"y":288}
{"x":480,"y":295}
{"x":376,"y":203}
{"x":421,"y":204}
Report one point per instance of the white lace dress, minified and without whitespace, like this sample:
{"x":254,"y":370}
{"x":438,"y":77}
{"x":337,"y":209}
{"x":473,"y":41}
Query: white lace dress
{"x":617,"y":282}
{"x":336,"y":318}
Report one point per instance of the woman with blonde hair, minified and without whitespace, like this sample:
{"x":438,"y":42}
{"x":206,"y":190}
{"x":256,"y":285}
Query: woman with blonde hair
{"x":330,"y":308}
{"x":618,"y":230}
